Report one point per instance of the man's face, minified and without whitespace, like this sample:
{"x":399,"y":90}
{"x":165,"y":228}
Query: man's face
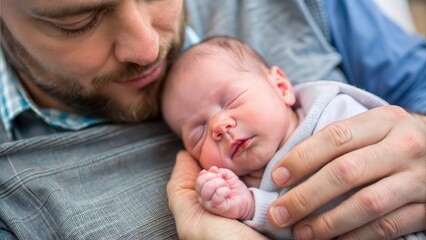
{"x":98,"y":57}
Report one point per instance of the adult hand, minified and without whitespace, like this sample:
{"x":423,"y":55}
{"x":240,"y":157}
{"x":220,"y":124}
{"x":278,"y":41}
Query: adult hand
{"x":192,"y":220}
{"x":381,"y":151}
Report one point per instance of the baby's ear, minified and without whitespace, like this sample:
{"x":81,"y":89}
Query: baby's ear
{"x":283,"y":84}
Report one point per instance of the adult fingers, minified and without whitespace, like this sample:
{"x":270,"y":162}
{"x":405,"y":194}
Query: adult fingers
{"x":401,"y":149}
{"x":182,"y":179}
{"x":335,"y":140}
{"x":348,"y":172}
{"x":186,"y":169}
{"x":386,"y":196}
{"x":408,"y":219}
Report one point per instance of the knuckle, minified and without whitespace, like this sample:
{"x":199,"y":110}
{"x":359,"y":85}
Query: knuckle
{"x":338,"y":133}
{"x":396,"y":113}
{"x":300,"y":163}
{"x":411,"y":144}
{"x":327,"y":225}
{"x":386,"y":228}
{"x":418,"y":183}
{"x":415,"y":144}
{"x":374,"y":203}
{"x":302,"y":153}
{"x":299,"y":203}
{"x":346,"y":171}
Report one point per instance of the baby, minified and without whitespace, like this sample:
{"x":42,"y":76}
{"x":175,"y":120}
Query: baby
{"x":238,"y":117}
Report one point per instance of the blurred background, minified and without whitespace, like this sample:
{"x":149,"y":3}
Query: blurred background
{"x":418,"y":10}
{"x":409,"y":14}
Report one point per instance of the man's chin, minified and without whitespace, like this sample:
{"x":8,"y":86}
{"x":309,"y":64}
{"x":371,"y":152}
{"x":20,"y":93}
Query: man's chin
{"x":144,"y":111}
{"x":130,"y":107}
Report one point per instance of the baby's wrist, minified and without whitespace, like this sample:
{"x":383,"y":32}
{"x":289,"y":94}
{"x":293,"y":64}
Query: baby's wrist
{"x":250,"y":208}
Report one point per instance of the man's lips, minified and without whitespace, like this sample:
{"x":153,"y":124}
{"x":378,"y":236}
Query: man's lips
{"x":146,"y":78}
{"x":239,"y":145}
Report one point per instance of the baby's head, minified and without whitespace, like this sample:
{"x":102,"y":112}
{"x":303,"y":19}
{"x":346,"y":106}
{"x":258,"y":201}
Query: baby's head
{"x":228,"y":106}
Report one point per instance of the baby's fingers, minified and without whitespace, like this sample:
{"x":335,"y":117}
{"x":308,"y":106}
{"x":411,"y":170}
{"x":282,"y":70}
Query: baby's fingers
{"x":203,"y":178}
{"x":210,"y":187}
{"x":219,"y":197}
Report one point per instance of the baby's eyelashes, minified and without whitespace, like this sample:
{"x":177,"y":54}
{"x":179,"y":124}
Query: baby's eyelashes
{"x":193,"y":139}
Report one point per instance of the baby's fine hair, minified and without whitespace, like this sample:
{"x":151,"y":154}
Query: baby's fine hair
{"x":243,"y":57}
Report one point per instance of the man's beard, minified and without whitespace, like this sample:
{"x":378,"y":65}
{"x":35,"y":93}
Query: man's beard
{"x":90,"y":103}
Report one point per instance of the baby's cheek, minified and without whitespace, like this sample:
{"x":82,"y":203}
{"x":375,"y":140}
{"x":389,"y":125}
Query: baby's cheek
{"x":206,"y":163}
{"x":209,"y":159}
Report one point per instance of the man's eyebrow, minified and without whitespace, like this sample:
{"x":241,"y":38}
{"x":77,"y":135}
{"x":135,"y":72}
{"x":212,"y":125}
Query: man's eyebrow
{"x":74,"y":10}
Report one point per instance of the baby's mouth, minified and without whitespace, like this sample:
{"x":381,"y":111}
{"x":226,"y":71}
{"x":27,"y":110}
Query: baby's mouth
{"x":238,"y":146}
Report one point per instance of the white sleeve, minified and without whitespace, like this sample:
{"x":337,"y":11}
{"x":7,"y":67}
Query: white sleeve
{"x":260,"y":222}
{"x":341,"y":107}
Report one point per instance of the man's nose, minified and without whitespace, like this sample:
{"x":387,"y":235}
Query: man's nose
{"x":221,"y":125}
{"x":137,"y":40}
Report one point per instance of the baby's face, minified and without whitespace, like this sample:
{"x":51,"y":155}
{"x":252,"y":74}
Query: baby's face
{"x":226,"y":117}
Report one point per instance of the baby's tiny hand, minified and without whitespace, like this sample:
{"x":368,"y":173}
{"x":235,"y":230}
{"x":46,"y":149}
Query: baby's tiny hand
{"x":221,"y":192}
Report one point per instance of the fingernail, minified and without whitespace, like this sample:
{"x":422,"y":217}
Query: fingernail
{"x":281,"y":175}
{"x":279,"y":215}
{"x":304,"y":233}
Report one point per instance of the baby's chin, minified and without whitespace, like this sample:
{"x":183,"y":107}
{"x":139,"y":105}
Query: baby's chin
{"x":254,"y":178}
{"x":251,"y":181}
